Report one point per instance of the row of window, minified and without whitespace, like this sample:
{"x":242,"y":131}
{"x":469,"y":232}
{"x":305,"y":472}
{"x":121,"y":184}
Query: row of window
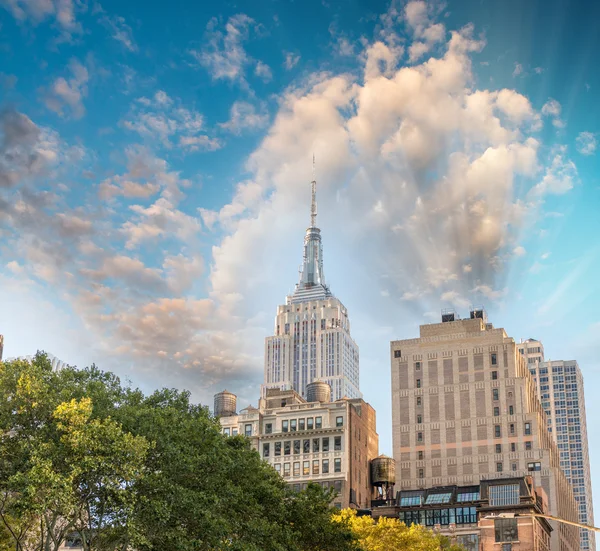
{"x":318,"y":467}
{"x":310,"y":423}
{"x":431,"y":517}
{"x":533,"y":466}
{"x":302,"y":446}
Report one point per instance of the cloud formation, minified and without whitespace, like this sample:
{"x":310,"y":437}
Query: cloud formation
{"x":586,"y":143}
{"x":65,"y":96}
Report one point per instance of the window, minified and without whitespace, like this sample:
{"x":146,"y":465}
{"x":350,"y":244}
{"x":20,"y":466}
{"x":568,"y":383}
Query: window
{"x":467,"y":496}
{"x":325,"y":466}
{"x":417,"y":366}
{"x":469,"y":542}
{"x":536,"y":466}
{"x":306,"y":446}
{"x":514,"y":466}
{"x":296,"y":447}
{"x":499,"y":467}
{"x":226,"y":431}
{"x":511,"y":410}
{"x":339,"y":421}
{"x":418,"y":400}
{"x":234,"y":432}
{"x":306,"y":468}
{"x":512,"y":428}
{"x":528,"y":445}
{"x":494,"y":358}
{"x":438,"y":498}
{"x":310,"y":423}
{"x":505,"y":529}
{"x":421,"y":473}
{"x":296,"y":470}
{"x":278,"y":468}
{"x":266,"y":450}
{"x":293,"y":425}
{"x":418,"y":383}
{"x":318,"y":422}
{"x":315,"y":467}
{"x":495,"y":394}
{"x":337,"y":443}
{"x":248,"y":429}
{"x":397,"y":353}
{"x":337,"y":465}
{"x":300,"y":424}
{"x":496,"y":411}
{"x":419,"y":437}
{"x":497,"y":431}
{"x":326,"y":444}
{"x":419,"y":419}
{"x":268,"y":428}
{"x":498,"y":448}
{"x":286,"y":470}
{"x":513,"y":447}
{"x":507,"y":547}
{"x":420,"y":456}
{"x":316,"y":442}
{"x":527,"y":428}
{"x":503,"y":494}
{"x":284,"y":426}
{"x":277,"y":448}
{"x":409,"y":499}
{"x":287,"y":448}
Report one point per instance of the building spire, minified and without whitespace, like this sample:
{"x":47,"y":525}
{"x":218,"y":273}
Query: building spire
{"x":313,"y":203}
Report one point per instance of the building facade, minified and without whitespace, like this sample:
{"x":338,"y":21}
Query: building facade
{"x":465,"y":409}
{"x":489,"y":516}
{"x":312,"y":338}
{"x":560,"y":390}
{"x":329,"y":443}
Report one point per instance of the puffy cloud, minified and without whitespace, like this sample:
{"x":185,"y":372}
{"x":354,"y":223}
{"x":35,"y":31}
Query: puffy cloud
{"x":68,"y":93}
{"x":586,"y":143}
{"x":559,"y":178}
{"x":552,"y":109}
{"x":26,"y":150}
{"x":518,"y":70}
{"x":37,"y":11}
{"x":163,"y":118}
{"x":244,"y":116}
{"x":426,"y":33}
{"x":519,"y":251}
{"x":224,"y":55}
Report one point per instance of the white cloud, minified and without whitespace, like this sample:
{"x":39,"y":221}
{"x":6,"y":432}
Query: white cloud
{"x":224,"y":55}
{"x":426,"y":33}
{"x":553,"y":109}
{"x":291,"y":60}
{"x":586,"y":143}
{"x":68,"y":93}
{"x":519,"y":251}
{"x":120,"y":31}
{"x":244,"y":116}
{"x":37,"y":11}
{"x":559,"y":177}
{"x":263,"y":71}
{"x":518,"y":70}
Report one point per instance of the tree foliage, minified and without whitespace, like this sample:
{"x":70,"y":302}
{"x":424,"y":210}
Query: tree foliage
{"x":389,"y":534}
{"x":80,"y":453}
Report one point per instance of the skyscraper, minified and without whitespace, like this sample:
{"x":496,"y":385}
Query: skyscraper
{"x":464,"y":408}
{"x":312,"y":331}
{"x":560,"y":390}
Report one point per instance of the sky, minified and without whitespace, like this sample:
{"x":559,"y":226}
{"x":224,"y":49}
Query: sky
{"x":155,"y":167}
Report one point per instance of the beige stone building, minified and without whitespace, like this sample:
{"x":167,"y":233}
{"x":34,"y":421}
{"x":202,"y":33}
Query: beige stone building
{"x":330,"y":443}
{"x":465,"y":408}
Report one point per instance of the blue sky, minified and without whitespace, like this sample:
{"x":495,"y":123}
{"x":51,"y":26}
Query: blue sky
{"x":155,"y":167}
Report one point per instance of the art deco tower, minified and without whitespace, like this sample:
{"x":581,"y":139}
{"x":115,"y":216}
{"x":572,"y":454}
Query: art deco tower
{"x":312,"y":331}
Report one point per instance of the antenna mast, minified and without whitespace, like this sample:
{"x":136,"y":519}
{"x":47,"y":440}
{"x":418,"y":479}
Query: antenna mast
{"x":313,"y":203}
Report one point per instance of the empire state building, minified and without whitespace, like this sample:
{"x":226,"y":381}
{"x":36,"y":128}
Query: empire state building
{"x":312,"y":339}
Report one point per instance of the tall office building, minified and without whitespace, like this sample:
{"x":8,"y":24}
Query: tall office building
{"x":1,"y":346}
{"x":561,"y":393}
{"x":312,"y":331}
{"x":464,"y":409}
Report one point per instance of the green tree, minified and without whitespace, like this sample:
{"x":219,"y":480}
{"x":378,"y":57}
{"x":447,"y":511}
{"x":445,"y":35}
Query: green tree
{"x":390,"y":534}
{"x":61,"y":468}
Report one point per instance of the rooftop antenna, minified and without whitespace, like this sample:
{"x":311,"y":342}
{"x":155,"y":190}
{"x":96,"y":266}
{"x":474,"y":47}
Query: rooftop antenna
{"x":313,"y":203}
